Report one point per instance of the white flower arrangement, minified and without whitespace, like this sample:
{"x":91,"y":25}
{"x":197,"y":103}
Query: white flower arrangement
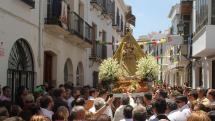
{"x":147,"y":67}
{"x":109,"y":70}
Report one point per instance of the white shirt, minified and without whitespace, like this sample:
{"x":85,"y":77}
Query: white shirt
{"x":93,"y":109}
{"x":126,"y":120}
{"x":4,"y":98}
{"x":47,"y":113}
{"x":186,"y":110}
{"x":153,"y":117}
{"x":109,"y":112}
{"x":91,"y":98}
{"x":176,"y":115}
{"x":119,"y":113}
{"x":69,"y":102}
{"x":213,"y":103}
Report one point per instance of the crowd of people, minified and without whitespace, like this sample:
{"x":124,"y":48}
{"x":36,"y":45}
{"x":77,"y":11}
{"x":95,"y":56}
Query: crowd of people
{"x":68,"y":103}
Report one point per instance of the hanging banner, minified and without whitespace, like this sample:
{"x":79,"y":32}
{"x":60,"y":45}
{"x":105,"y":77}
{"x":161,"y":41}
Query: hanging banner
{"x":64,"y":16}
{"x":142,"y":42}
{"x":155,"y":42}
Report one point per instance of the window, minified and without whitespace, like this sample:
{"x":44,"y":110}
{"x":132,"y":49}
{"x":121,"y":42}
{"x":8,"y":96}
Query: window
{"x":117,"y":17}
{"x":104,"y":47}
{"x":201,"y":13}
{"x":94,"y":34}
{"x":81,"y":10}
{"x":68,"y":76}
{"x":186,"y":28}
{"x":200,"y":77}
{"x":213,"y":12}
{"x":113,"y":12}
{"x":80,"y":75}
{"x":122,"y":24}
{"x":113,"y":44}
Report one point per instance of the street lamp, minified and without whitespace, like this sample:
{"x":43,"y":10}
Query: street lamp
{"x":180,"y":27}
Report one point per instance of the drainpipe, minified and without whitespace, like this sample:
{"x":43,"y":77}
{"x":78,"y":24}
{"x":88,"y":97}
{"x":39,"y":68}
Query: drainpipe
{"x":40,"y":41}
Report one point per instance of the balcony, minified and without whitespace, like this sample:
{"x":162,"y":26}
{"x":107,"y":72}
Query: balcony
{"x":107,"y":7}
{"x":71,"y":27}
{"x":29,"y":2}
{"x":88,"y":33}
{"x":98,"y":4}
{"x":99,"y":52}
{"x":203,"y":42}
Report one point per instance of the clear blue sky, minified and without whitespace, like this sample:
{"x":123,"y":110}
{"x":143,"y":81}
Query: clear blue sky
{"x":151,"y":15}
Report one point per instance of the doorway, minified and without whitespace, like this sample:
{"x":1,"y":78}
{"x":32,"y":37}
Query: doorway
{"x":213,"y":74}
{"x":95,"y":79}
{"x":20,"y":67}
{"x":50,"y":68}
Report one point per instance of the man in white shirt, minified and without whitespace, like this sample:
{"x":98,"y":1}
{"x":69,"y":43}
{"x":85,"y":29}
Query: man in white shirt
{"x":183,"y":106}
{"x":202,"y":97}
{"x":99,"y":103}
{"x":159,"y":107}
{"x":75,"y":94}
{"x":127,"y":112}
{"x":46,"y":105}
{"x":93,"y":95}
{"x":119,"y":111}
{"x":173,"y":113}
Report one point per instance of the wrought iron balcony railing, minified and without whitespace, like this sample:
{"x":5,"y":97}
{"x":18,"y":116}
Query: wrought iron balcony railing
{"x":76,"y":24}
{"x":88,"y":32}
{"x":73,"y":22}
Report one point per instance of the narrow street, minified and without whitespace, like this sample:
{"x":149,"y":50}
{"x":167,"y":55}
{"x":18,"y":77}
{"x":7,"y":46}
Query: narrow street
{"x":107,"y":60}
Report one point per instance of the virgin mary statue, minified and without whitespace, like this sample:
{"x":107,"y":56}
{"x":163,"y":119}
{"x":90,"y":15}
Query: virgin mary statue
{"x":128,"y":53}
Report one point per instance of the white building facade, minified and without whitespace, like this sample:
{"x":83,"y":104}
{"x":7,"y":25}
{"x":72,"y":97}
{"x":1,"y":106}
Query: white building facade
{"x":203,"y":44}
{"x":177,"y":72}
{"x":56,"y":42}
{"x":20,"y":50}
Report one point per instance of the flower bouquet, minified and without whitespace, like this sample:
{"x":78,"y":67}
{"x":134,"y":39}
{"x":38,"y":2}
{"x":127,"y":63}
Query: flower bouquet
{"x":110,"y":71}
{"x":147,"y":68}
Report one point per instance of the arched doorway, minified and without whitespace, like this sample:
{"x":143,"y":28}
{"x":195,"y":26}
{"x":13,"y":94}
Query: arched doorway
{"x":50,"y":68}
{"x":20,"y":66}
{"x":80,"y":75}
{"x":68,"y":71}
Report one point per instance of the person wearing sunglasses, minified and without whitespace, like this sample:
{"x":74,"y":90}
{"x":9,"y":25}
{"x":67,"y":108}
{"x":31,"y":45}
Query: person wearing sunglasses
{"x":211,"y":97}
{"x":202,"y":97}
{"x":192,"y":97}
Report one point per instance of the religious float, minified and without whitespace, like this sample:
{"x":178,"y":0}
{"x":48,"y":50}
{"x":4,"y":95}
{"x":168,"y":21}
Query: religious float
{"x":129,"y":70}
